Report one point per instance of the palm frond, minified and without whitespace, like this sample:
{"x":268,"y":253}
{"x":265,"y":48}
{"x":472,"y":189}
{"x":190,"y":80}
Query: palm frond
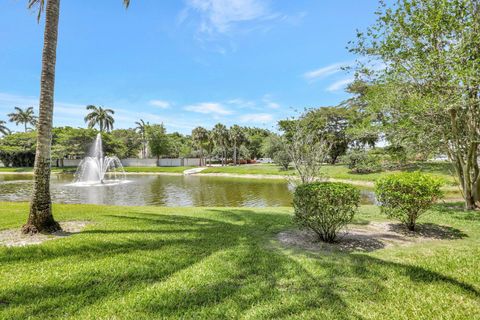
{"x":37,"y":3}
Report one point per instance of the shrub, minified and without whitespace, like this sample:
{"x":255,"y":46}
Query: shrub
{"x":407,"y":195}
{"x":325,"y":207}
{"x":361,"y":161}
{"x":282,"y":158}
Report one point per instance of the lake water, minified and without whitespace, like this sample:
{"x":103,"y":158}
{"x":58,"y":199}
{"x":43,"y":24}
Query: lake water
{"x":161,"y":190}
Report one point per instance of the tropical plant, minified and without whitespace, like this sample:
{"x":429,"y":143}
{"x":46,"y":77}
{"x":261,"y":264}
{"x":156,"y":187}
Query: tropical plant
{"x":199,"y":139}
{"x":237,"y":137}
{"x":101,"y":117}
{"x":220,"y":137}
{"x":141,"y":128}
{"x":325,"y":207}
{"x":41,"y":218}
{"x":3,"y":128}
{"x":407,"y":195}
{"x":25,"y":117}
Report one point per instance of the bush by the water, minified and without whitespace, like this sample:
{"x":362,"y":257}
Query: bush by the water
{"x":407,"y":195}
{"x":325,"y":207}
{"x":361,"y":161}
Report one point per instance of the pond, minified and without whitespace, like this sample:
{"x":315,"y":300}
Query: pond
{"x":161,"y":190}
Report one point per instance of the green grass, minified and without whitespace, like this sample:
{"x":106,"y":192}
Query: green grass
{"x":156,"y":169}
{"x":442,"y":170}
{"x":266,"y":169}
{"x":217,"y":263}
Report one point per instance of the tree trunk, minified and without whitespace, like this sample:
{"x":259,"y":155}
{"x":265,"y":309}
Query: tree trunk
{"x":40,"y":218}
{"x":235,"y":155}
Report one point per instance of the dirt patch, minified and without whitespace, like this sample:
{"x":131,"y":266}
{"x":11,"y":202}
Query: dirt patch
{"x":14,"y":238}
{"x":371,"y":237}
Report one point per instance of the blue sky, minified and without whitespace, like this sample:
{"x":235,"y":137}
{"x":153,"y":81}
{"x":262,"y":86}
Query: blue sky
{"x":184,"y":63}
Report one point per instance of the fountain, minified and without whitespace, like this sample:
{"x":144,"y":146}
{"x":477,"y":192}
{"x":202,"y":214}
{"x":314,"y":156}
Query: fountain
{"x":97,"y":169}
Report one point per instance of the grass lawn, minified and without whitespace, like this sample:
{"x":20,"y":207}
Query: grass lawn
{"x":211,"y":263}
{"x":156,"y":169}
{"x":442,"y":170}
{"x":267,"y":169}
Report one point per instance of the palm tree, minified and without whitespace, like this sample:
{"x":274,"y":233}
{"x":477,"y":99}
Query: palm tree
{"x":142,"y":129}
{"x":237,"y":137}
{"x":220,"y":136}
{"x":102,"y":117}
{"x":3,"y":128}
{"x":24,"y":117}
{"x":40,"y":218}
{"x":200,"y":138}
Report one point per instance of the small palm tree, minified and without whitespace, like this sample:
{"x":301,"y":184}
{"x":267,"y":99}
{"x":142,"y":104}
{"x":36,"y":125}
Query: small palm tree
{"x":200,"y":138}
{"x":24,"y":117}
{"x":142,"y":129}
{"x":237,"y":137}
{"x":220,"y":136}
{"x":3,"y":128}
{"x":101,"y":117}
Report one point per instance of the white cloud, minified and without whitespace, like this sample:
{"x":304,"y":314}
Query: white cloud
{"x":208,"y":108}
{"x":218,"y":16}
{"x":340,"y":84}
{"x":256,"y":118}
{"x":269,"y":103}
{"x":325,"y":71}
{"x":162,"y":104}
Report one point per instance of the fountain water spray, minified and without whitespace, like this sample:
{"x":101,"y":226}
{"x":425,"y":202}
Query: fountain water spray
{"x":97,"y":169}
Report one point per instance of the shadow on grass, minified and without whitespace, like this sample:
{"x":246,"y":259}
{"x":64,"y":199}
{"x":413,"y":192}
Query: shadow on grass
{"x":429,"y":231}
{"x":188,"y":266}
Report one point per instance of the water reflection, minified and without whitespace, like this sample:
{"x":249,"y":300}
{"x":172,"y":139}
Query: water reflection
{"x":161,"y":191}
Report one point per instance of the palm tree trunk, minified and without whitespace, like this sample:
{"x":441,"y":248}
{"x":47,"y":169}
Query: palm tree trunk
{"x":40,"y":218}
{"x":25,"y":124}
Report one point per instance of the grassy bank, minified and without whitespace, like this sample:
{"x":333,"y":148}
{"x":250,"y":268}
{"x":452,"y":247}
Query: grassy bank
{"x":442,"y":170}
{"x":210,"y":263}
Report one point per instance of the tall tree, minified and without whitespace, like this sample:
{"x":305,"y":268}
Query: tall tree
{"x":220,"y":136}
{"x":237,"y":137}
{"x":25,"y":117}
{"x":157,"y":140}
{"x":40,"y":218}
{"x":3,"y":128}
{"x":200,"y":138}
{"x":141,"y":128}
{"x":429,"y":88}
{"x":101,"y":117}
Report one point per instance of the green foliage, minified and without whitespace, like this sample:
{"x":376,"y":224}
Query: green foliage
{"x":282,"y":158}
{"x":407,"y":195}
{"x":325,"y":207}
{"x":158,"y":141}
{"x":362,"y":161}
{"x":130,"y":142}
{"x":18,"y":149}
{"x":427,"y":92}
{"x":271,"y":145}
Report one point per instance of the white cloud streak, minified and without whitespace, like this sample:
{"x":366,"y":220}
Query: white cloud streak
{"x":325,"y":71}
{"x":162,"y":104}
{"x":256,"y":118}
{"x":209,"y":108}
{"x":340,"y":84}
{"x":218,"y":16}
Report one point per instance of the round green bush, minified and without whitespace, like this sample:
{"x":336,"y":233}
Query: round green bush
{"x":325,"y":207}
{"x":361,"y":161}
{"x":406,"y":196}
